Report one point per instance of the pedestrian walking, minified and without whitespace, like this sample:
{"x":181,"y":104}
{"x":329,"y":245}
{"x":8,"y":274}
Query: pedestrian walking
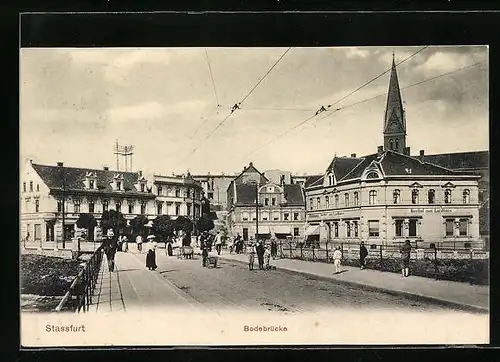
{"x":363,"y":253}
{"x":151,"y":255}
{"x":125,"y":243}
{"x":138,"y":241}
{"x":337,"y":257}
{"x":119,"y":247}
{"x":260,"y":253}
{"x":218,"y":243}
{"x":274,"y":248}
{"x":170,"y":251}
{"x":405,"y":258}
{"x":251,"y":256}
{"x":110,"y":249}
{"x":267,"y":258}
{"x":204,"y":255}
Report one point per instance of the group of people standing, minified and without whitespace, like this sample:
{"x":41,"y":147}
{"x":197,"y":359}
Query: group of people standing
{"x":263,"y":256}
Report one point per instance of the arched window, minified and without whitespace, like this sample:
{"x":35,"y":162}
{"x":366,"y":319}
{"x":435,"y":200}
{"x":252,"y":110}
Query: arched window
{"x":466,"y":196}
{"x":372,"y":197}
{"x":396,"y":194}
{"x":327,"y":202}
{"x":318,"y":202}
{"x":346,"y":202}
{"x":245,"y":216}
{"x":330,"y":179}
{"x":447,"y":196}
{"x":396,"y":146}
{"x":311,"y":205}
{"x":356,"y":198}
{"x":336,"y":200}
{"x":391,"y":144}
{"x":414,"y":196}
{"x":431,"y":195}
{"x":372,"y":175}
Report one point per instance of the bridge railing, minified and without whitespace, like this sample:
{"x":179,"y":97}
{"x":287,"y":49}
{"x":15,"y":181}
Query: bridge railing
{"x":79,"y":295}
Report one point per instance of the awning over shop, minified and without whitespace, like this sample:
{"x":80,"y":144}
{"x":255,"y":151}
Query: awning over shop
{"x":264,"y":230}
{"x":282,"y":229}
{"x":312,"y":230}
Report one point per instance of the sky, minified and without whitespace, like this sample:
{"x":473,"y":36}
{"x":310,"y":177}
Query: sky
{"x":76,"y":102}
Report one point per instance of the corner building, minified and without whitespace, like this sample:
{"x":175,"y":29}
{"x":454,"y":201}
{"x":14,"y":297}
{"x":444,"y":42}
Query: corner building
{"x":389,"y":196}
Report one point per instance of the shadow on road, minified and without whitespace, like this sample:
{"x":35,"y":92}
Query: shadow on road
{"x":167,"y":271}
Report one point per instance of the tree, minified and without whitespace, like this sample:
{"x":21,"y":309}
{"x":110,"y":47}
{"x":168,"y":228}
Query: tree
{"x":112,"y":220}
{"x":205,"y":223}
{"x":185,"y":224}
{"x":87,"y":222}
{"x":163,"y":227}
{"x":137,"y":224}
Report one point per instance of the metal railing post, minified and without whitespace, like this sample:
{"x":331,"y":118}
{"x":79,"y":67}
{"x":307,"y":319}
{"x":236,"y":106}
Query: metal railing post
{"x":314,"y":257}
{"x":327,"y":259}
{"x":435,"y":264}
{"x":381,"y":259}
{"x":301,"y":252}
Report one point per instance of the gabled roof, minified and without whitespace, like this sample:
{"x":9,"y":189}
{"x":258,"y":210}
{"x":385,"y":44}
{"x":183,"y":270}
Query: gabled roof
{"x":250,"y":168}
{"x":460,"y":160}
{"x":74,"y":178}
{"x":395,"y":164}
{"x":341,"y":166}
{"x":293,"y":194}
{"x":312,"y":180}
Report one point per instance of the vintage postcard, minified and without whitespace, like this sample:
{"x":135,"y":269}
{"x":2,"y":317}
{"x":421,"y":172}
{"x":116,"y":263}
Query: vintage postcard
{"x":254,"y":196}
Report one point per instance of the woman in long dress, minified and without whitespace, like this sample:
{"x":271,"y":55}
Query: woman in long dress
{"x":151,"y":255}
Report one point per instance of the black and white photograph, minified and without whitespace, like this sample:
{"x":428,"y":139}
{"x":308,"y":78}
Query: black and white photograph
{"x":254,"y":195}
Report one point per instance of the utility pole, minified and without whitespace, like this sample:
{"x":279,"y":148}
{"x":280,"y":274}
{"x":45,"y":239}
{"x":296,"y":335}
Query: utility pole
{"x":63,"y":186}
{"x":256,"y":211}
{"x":194,"y":210}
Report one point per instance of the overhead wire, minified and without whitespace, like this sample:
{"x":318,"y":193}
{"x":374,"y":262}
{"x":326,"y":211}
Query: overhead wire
{"x":236,"y":106}
{"x":212,"y":77}
{"x":322,"y":109}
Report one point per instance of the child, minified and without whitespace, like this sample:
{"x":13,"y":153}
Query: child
{"x":251,"y":257}
{"x":337,"y":256}
{"x":267,"y":258}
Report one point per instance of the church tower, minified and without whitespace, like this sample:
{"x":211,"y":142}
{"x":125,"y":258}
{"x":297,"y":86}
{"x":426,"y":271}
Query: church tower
{"x":395,"y":119}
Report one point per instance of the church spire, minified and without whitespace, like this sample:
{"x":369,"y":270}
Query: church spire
{"x":394,"y":119}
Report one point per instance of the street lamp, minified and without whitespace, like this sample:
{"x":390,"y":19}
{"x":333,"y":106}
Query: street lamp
{"x":256,"y":211}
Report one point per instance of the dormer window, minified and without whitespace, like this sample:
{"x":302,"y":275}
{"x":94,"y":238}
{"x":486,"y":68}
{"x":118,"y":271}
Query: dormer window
{"x":118,"y":185}
{"x":330,"y":180}
{"x":118,"y":182}
{"x":91,"y":184}
{"x":142,"y":187}
{"x":372,"y":175}
{"x":91,"y":180}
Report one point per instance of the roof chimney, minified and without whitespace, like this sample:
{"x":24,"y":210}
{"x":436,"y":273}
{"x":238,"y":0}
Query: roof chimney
{"x":250,"y":164}
{"x":60,"y":164}
{"x":422,"y":156}
{"x":106,"y":168}
{"x":406,"y":151}
{"x":140,"y":173}
{"x":353,"y":155}
{"x":380,"y":150}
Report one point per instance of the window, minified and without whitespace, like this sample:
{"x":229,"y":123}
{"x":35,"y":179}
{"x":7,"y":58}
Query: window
{"x":188,"y":193}
{"x":244,"y":216}
{"x":177,"y":209}
{"x":105,"y":205}
{"x":336,"y":229}
{"x":31,"y":186}
{"x":296,"y":232}
{"x":355,"y":226}
{"x":143,"y":208}
{"x":348,"y":229}
{"x":431,"y":196}
{"x":273,"y":201}
{"x":24,"y":186}
{"x":372,"y":197}
{"x":396,"y":144}
{"x":142,"y":187}
{"x":245,"y":234}
{"x":336,"y":200}
{"x":373,"y":228}
{"x":118,"y":206}
{"x":130,"y":208}
{"x":372,"y":175}
{"x":295,"y":216}
{"x":396,"y":196}
{"x":59,"y":205}
{"x":276,"y":216}
{"x":188,"y":209}
{"x":414,"y":196}
{"x":412,"y":227}
{"x":330,"y":179}
{"x":91,"y":184}
{"x":447,"y":196}
{"x":118,"y":185}
{"x":391,"y":144}
{"x":327,"y":202}
{"x":265,"y":216}
{"x":356,"y":198}
{"x":311,"y":204}
{"x":254,"y":217}
{"x":266,"y":201}
{"x":38,"y":232}
{"x":399,"y":227}
{"x":346,"y":202}
{"x":318,"y":202}
{"x":270,"y":189}
{"x":466,"y":196}
{"x":462,"y":227}
{"x":286,"y":216}
{"x":91,"y":206}
{"x":449,"y":227}
{"x":76,"y":205}
{"x":159,"y":208}
{"x":37,"y":205}
{"x":38,"y":187}
{"x":159,"y":189}
{"x":210,"y":195}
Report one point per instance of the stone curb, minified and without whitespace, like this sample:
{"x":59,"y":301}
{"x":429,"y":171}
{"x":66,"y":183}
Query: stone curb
{"x":412,"y":295}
